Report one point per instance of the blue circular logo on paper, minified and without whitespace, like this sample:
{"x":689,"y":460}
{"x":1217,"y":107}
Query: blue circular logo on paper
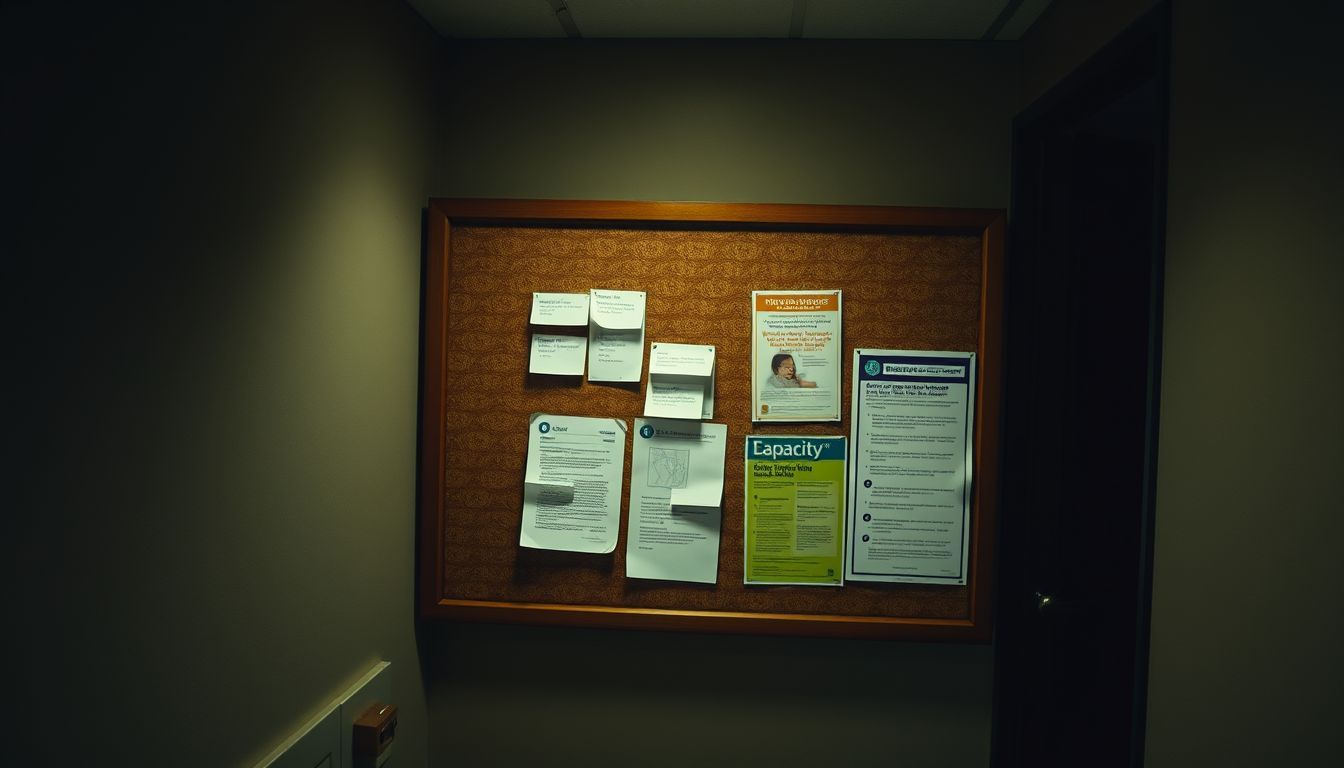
{"x":872,"y":367}
{"x":544,"y":427}
{"x":646,"y":431}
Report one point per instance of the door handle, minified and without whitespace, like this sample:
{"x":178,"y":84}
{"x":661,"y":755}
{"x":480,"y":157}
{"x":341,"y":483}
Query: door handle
{"x":1050,"y":605}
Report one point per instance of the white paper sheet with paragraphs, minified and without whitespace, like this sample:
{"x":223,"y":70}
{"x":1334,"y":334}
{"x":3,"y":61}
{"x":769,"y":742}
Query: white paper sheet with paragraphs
{"x":572,"y":486}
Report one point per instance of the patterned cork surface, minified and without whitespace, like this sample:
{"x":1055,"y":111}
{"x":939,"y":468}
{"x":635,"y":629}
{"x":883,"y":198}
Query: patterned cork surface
{"x":901,"y":291}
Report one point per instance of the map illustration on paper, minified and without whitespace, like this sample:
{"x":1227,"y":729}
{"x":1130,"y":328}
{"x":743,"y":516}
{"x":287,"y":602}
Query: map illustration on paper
{"x":676,"y":500}
{"x":668,"y":467}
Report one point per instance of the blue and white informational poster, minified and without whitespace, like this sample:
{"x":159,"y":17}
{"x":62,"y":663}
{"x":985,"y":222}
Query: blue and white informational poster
{"x":911,"y":427}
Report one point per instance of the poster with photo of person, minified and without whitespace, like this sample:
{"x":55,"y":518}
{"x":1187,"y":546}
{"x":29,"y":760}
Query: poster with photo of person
{"x":795,"y":361}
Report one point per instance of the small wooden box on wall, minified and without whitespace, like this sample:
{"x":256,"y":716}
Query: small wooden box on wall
{"x":913,"y":278}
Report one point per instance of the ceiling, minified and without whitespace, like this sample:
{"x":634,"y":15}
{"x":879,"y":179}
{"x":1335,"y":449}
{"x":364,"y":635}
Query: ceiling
{"x":816,"y":19}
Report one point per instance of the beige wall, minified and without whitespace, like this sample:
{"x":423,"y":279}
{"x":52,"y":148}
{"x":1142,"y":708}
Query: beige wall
{"x":1248,"y":603}
{"x":732,"y":121}
{"x":1248,"y":609}
{"x":217,"y":271}
{"x":777,"y":121}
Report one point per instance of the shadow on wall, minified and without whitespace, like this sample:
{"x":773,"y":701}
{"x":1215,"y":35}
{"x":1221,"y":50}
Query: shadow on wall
{"x":512,"y":695}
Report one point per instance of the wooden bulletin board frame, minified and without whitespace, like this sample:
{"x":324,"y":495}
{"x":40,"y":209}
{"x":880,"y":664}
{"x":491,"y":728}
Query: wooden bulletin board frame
{"x":971,"y":619}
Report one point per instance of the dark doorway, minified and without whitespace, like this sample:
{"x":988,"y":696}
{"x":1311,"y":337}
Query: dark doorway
{"x":1082,"y":334}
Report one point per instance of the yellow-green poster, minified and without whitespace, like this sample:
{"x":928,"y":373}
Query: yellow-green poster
{"x":795,"y":508}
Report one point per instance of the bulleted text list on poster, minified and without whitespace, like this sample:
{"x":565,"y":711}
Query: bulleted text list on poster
{"x":910,"y":466}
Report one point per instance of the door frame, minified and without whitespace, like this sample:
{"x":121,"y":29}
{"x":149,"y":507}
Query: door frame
{"x":1139,"y":53}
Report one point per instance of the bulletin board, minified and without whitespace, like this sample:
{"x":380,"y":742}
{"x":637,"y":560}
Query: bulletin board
{"x":913,"y":278}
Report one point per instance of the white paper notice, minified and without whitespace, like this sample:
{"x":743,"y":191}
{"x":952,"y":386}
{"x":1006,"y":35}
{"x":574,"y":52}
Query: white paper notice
{"x":681,"y":381}
{"x":911,"y":423}
{"x":557,"y":354}
{"x":559,"y":309}
{"x":676,"y":500}
{"x":615,"y":335}
{"x":572,"y":489}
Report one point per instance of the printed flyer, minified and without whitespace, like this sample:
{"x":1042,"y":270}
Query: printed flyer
{"x":676,"y":500}
{"x":795,"y":510}
{"x":795,"y":360}
{"x":911,"y":431}
{"x":572,"y":485}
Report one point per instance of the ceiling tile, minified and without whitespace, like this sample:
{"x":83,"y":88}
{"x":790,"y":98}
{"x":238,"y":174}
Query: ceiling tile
{"x":1026,"y":15}
{"x":875,"y":19}
{"x":902,"y":19}
{"x":682,"y":18}
{"x":490,"y":18}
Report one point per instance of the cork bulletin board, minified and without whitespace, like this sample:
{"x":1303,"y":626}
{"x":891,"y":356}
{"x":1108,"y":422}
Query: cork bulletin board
{"x":913,"y":278}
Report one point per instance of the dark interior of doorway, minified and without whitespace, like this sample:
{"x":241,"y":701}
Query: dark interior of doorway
{"x":1082,"y":329}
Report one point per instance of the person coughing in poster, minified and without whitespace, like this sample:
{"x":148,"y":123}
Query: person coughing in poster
{"x":785,"y":373}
